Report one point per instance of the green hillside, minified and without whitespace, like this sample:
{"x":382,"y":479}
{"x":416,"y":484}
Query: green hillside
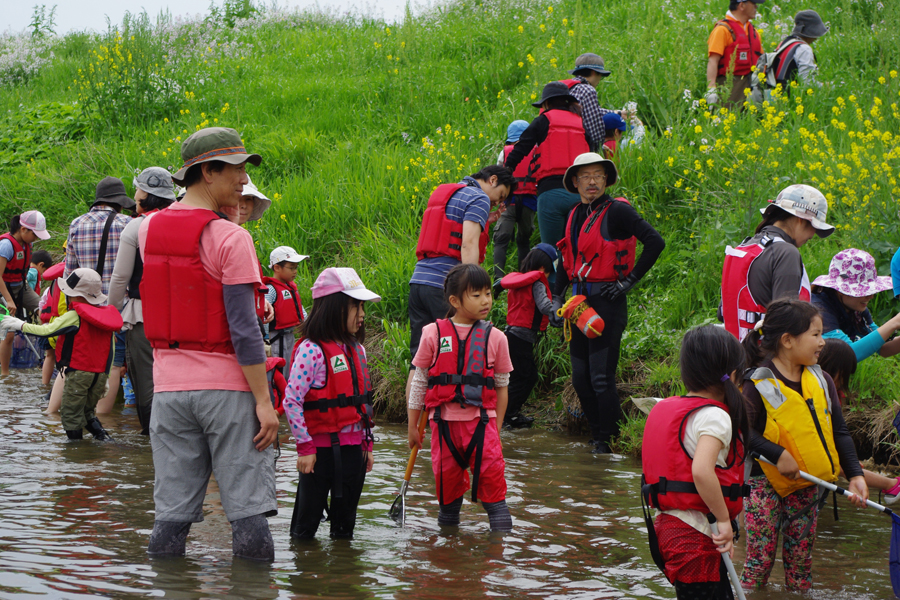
{"x":358,"y":120}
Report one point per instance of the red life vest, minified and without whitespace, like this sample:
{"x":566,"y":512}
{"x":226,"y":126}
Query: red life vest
{"x":598,"y":259}
{"x":785,"y":58}
{"x":51,"y":304}
{"x":667,"y":477}
{"x":522,"y":311}
{"x":570,"y":83}
{"x":739,"y":309}
{"x":261,"y":292}
{"x":743,"y":52}
{"x":461,"y":374}
{"x":288,"y":306}
{"x":17,"y":268}
{"x":564,"y":142}
{"x":277,"y":382}
{"x":441,"y":236}
{"x":346,"y":396}
{"x":183,"y":305}
{"x":89,"y":348}
{"x":525,"y":184}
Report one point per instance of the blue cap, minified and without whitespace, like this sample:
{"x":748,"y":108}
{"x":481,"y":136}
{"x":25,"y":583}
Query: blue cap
{"x":514,"y":131}
{"x":550,"y":251}
{"x":613,"y":121}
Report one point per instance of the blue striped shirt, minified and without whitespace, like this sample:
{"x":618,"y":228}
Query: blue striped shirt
{"x":468,"y":204}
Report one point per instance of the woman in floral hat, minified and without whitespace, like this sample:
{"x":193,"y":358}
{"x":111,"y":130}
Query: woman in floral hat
{"x":843,"y":295}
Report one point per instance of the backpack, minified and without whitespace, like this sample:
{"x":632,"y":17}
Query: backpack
{"x":770,"y":71}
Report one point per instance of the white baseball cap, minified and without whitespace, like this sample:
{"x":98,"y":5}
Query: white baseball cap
{"x":282,"y":253}
{"x":333,"y":280}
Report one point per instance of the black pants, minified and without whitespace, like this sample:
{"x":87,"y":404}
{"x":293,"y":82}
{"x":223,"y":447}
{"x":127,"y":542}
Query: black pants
{"x":313,"y":490}
{"x":524,"y":376}
{"x":426,"y":305}
{"x":594,"y":364}
{"x":713,"y":590}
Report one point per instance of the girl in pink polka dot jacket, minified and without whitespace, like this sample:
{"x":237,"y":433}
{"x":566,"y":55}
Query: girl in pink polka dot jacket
{"x":328,"y":404}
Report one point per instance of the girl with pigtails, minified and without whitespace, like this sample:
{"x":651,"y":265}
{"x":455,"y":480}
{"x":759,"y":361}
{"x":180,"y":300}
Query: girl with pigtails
{"x":796,"y":423}
{"x":693,"y":466}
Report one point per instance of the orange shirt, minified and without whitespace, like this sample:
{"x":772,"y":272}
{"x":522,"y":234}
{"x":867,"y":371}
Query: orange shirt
{"x":721,"y":37}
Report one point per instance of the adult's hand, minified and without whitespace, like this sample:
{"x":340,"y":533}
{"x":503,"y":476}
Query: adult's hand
{"x":370,"y":462}
{"x":495,"y":214}
{"x":860,"y":491}
{"x":268,"y":425}
{"x":614,"y":289}
{"x":269,"y":313}
{"x":787,"y":466}
{"x":712,"y":97}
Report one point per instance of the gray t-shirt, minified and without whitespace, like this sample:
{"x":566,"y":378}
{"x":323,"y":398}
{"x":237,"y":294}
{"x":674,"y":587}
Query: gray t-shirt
{"x":778,"y":271}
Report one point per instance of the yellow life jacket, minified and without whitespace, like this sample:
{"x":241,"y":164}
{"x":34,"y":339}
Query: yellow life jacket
{"x":802,"y":425}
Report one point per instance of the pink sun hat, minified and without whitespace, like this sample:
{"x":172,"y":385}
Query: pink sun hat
{"x":334,"y":280}
{"x":852,"y":272}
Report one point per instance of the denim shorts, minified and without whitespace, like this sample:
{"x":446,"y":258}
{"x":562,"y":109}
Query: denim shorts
{"x":119,"y":355}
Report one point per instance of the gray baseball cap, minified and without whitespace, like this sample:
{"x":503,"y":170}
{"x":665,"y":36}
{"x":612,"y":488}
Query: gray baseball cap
{"x":156,"y":181}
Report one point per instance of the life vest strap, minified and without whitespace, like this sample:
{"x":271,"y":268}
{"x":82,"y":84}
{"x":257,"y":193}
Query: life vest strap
{"x":197,"y":346}
{"x":732,"y":492}
{"x":342,"y":401}
{"x":456,"y":379}
{"x":476,"y":445}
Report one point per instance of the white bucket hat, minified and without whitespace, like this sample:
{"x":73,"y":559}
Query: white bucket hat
{"x":590,"y":158}
{"x":806,"y":202}
{"x":260,"y":203}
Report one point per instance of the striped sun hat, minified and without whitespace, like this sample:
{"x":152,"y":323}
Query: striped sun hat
{"x":213,"y":143}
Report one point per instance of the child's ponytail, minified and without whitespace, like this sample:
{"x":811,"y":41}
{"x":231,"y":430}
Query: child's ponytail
{"x":709,"y":355}
{"x":14,"y":225}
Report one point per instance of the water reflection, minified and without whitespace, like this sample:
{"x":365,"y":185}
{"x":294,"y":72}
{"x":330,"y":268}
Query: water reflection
{"x":75,"y":519}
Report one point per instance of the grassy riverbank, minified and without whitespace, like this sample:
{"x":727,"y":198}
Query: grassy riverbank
{"x":358,"y":120}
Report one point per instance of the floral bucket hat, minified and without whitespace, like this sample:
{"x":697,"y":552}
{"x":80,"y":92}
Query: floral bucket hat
{"x":852,"y":272}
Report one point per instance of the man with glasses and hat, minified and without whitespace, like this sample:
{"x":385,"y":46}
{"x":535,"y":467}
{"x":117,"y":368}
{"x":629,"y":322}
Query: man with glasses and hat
{"x":589,"y":71}
{"x":93,"y":244}
{"x":211,"y":406}
{"x":557,"y":136}
{"x":734,"y":46}
{"x":153,"y":191}
{"x":598,"y":259}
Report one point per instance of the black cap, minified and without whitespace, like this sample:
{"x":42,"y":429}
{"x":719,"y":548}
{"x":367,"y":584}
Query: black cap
{"x":555,"y":89}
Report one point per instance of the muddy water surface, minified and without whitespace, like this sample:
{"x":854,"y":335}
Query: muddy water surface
{"x":75,"y":519}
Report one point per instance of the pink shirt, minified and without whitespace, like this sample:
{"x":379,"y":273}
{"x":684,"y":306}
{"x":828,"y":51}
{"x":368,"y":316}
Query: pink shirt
{"x":227,"y":253}
{"x":497,"y":352}
{"x":307,"y":370}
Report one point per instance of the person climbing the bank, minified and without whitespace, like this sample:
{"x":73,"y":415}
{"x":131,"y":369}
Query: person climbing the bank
{"x":461,"y":379}
{"x":15,"y":259}
{"x":693,"y":453}
{"x":842,"y":297}
{"x":282,"y":294}
{"x":768,"y":265}
{"x":93,"y":242}
{"x":589,"y":71}
{"x":598,"y":258}
{"x":529,"y":310}
{"x":556,"y":136}
{"x":83,"y":349}
{"x":796,"y":422}
{"x":328,"y":405}
{"x":153,"y":191}
{"x":734,"y":47}
{"x":518,"y":216}
{"x":793,"y":59}
{"x":454,"y":230}
{"x":212,"y":410}
{"x":839,"y":360}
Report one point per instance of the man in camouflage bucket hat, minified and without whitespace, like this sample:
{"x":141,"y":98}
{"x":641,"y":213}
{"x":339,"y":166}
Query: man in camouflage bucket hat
{"x":211,"y":405}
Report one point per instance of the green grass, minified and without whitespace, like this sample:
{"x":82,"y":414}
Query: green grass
{"x":358,"y":121}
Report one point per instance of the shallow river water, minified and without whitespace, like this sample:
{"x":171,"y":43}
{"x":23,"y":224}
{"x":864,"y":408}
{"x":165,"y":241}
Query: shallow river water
{"x":75,"y":519}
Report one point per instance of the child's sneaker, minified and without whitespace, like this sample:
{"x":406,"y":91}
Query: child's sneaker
{"x":891,"y":495}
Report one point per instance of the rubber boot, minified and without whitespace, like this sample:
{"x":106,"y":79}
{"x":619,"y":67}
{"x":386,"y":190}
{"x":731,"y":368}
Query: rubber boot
{"x":75,"y":434}
{"x":168,"y":538}
{"x":251,"y":539}
{"x":96,"y":429}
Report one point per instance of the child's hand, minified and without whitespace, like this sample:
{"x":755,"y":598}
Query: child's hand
{"x":415,"y":440}
{"x":860,"y":491}
{"x":370,"y":462}
{"x":787,"y":466}
{"x":306,"y":463}
{"x":724,"y":540}
{"x":269,"y":313}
